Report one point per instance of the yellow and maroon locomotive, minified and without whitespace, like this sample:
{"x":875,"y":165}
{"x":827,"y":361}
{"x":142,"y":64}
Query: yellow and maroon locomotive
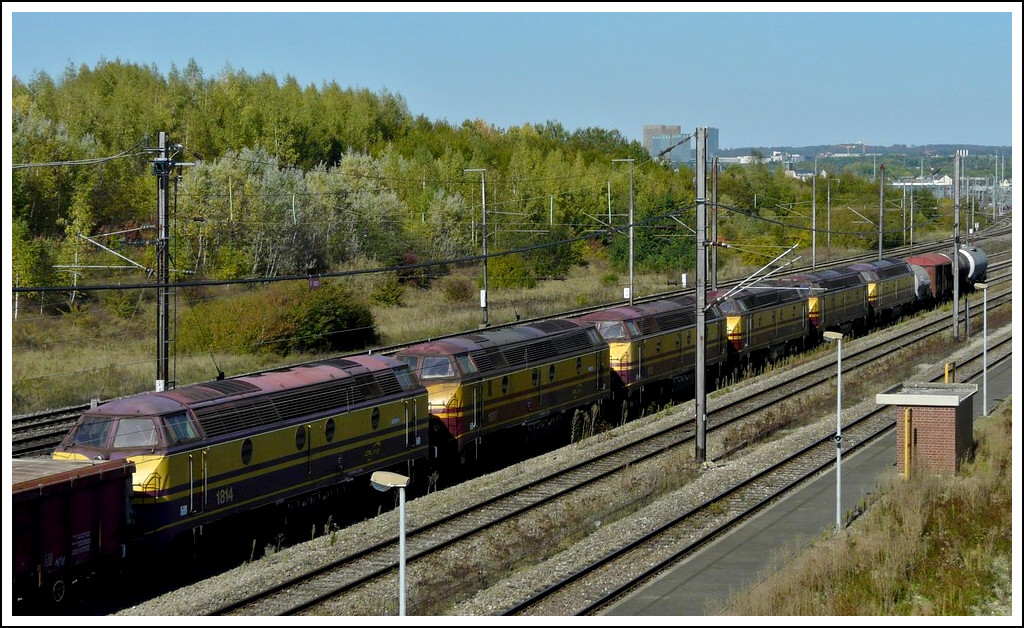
{"x":530,"y":378}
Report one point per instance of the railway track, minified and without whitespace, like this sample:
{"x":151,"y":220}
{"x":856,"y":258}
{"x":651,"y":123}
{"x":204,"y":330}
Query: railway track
{"x":303,"y":593}
{"x":37,"y":434}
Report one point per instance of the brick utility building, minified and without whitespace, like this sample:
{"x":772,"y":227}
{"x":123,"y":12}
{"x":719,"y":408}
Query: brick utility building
{"x":934,"y":425}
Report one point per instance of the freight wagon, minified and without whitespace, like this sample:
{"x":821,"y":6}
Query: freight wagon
{"x":70,"y":520}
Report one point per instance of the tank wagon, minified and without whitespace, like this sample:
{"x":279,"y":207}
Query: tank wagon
{"x":938,"y":267}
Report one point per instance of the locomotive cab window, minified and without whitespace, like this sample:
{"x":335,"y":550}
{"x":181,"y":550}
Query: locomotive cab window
{"x":466,"y":365}
{"x":178,"y":429}
{"x":405,"y":379}
{"x":136,"y":432}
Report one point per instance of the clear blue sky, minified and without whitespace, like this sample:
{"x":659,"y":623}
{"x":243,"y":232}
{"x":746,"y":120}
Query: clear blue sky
{"x":763,"y":79}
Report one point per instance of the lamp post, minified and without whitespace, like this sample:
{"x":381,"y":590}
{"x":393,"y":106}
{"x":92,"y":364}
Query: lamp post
{"x":630,"y":160}
{"x":984,"y":348}
{"x":814,"y":215}
{"x":483,"y":226}
{"x":828,"y":214}
{"x":881,"y":203}
{"x":838,"y":338}
{"x":382,"y":481}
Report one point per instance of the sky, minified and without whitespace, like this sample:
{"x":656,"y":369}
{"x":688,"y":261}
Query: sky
{"x":878,"y":74}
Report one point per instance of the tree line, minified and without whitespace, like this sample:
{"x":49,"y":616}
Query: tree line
{"x":281,"y":179}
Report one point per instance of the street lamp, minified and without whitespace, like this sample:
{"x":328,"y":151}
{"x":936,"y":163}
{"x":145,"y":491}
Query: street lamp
{"x":814,"y":215}
{"x":828,"y":213}
{"x":483,"y":224}
{"x":838,"y":338}
{"x":382,"y":481}
{"x":881,"y":202}
{"x":984,"y":348}
{"x":630,"y":226}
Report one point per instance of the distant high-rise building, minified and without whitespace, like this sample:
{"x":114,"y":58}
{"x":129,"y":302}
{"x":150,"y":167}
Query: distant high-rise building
{"x":666,"y":137}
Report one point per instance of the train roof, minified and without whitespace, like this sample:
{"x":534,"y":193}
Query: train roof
{"x":499,"y":338}
{"x":249,"y":401}
{"x":283,"y":379}
{"x":884,"y":268}
{"x":766,"y":294}
{"x":652,"y":316}
{"x":930,"y":259}
{"x":828,"y":279}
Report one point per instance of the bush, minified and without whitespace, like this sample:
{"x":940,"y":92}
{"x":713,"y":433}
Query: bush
{"x":610,"y":279}
{"x":456,"y":289}
{"x":123,"y":304}
{"x":388,"y":291}
{"x":510,"y":271}
{"x":281,"y":319}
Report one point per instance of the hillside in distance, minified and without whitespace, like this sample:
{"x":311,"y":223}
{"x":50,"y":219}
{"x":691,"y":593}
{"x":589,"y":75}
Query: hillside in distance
{"x":924,"y":150}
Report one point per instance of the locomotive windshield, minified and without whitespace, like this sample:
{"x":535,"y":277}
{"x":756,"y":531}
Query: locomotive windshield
{"x":611,"y":330}
{"x":92,"y":432}
{"x":435,"y":366}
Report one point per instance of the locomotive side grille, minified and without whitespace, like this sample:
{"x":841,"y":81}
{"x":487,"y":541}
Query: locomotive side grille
{"x":646,"y":326}
{"x":367,"y":386}
{"x":675,"y":320}
{"x":541,"y":351}
{"x":515,"y":356}
{"x":388,"y":383}
{"x":242,"y":415}
{"x":488,"y":359}
{"x":482,"y":360}
{"x":573,"y":343}
{"x":301,"y":403}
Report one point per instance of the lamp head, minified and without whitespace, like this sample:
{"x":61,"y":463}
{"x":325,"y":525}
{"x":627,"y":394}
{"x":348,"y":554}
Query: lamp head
{"x":384,"y":480}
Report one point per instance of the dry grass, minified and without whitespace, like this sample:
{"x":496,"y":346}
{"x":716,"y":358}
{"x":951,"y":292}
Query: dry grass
{"x":89,"y":353}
